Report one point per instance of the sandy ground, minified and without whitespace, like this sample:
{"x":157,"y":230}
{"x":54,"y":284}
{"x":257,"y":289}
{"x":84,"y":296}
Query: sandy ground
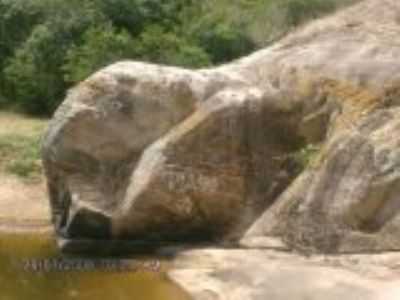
{"x":22,"y":203}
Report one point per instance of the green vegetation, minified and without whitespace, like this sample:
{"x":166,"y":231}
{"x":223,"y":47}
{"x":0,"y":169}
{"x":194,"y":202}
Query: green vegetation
{"x":25,"y":152}
{"x":20,"y":145}
{"x":306,"y":155}
{"x":46,"y":46}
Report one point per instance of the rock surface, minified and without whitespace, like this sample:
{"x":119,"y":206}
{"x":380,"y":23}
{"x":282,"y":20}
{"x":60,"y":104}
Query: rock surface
{"x":216,"y":274}
{"x":358,"y":171}
{"x":297,"y":142}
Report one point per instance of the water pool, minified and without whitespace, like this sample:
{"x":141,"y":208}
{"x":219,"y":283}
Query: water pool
{"x":18,"y":283}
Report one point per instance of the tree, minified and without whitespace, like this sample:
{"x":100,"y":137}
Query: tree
{"x":209,"y":27}
{"x":34,"y":75}
{"x":160,"y":46}
{"x":102,"y":45}
{"x":17,"y":17}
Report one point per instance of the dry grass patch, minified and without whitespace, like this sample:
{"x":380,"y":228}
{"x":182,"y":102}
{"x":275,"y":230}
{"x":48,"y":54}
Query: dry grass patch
{"x":20,"y":138}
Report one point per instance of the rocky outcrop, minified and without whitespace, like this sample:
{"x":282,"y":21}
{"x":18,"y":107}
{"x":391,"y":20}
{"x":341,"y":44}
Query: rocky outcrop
{"x":253,"y":274}
{"x":358,"y":171}
{"x":154,"y":154}
{"x":295,"y":142}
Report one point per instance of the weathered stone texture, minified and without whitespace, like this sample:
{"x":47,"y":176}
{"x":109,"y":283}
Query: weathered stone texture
{"x":155,"y":153}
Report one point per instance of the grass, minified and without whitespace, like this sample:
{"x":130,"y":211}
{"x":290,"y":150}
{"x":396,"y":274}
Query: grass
{"x":306,"y":155}
{"x":20,"y":138}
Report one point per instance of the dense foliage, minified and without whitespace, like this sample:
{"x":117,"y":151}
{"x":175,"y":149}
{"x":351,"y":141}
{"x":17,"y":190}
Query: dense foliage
{"x":48,"y":45}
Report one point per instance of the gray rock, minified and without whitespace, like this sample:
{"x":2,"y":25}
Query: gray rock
{"x":158,"y":154}
{"x":358,"y":171}
{"x":190,"y":177}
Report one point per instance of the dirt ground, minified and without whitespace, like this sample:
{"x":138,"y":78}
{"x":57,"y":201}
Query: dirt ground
{"x":22,"y":204}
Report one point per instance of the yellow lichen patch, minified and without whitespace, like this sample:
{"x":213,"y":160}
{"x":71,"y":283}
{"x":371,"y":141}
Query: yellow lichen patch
{"x":347,"y":94}
{"x":354,"y":101}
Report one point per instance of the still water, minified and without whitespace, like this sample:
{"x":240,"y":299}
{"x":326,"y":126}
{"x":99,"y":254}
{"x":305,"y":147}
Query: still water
{"x":16,"y":282}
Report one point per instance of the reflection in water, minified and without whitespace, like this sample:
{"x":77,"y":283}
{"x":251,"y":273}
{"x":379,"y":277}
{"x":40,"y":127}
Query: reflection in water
{"x":19,"y":284}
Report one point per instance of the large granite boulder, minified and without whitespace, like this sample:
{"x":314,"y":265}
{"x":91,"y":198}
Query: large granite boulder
{"x":297,"y":141}
{"x":147,"y":153}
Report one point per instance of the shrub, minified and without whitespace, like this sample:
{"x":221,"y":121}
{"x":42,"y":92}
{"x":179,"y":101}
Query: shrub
{"x":160,"y":46}
{"x":224,"y":42}
{"x":102,"y":45}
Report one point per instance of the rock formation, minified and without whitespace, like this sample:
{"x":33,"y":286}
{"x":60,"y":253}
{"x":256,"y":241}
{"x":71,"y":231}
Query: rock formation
{"x":297,"y":142}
